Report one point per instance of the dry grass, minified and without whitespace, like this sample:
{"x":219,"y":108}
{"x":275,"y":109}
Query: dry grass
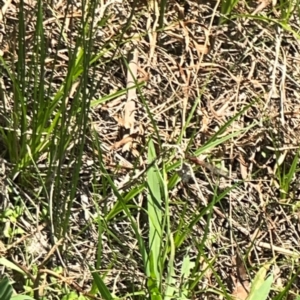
{"x":197,"y":76}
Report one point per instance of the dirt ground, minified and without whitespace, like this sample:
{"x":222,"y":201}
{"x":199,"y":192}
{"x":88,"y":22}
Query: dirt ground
{"x":197,"y":74}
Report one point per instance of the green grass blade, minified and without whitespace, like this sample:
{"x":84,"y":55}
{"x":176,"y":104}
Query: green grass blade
{"x":154,"y":206}
{"x":102,"y":288}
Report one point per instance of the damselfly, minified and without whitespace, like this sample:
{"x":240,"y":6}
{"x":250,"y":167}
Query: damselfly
{"x":212,"y":169}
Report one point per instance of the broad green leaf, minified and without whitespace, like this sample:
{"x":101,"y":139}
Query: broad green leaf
{"x":187,"y":265}
{"x":260,"y":286}
{"x":102,"y":288}
{"x":155,"y":216}
{"x":5,"y":289}
{"x":8,"y":264}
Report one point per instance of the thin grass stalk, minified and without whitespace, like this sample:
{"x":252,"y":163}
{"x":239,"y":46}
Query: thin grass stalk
{"x":61,"y":140}
{"x":162,"y":9}
{"x":39,"y":103}
{"x":82,"y":117}
{"x":20,"y":106}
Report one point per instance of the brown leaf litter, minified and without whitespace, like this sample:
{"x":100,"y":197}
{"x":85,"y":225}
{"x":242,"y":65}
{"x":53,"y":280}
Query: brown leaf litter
{"x":191,"y":61}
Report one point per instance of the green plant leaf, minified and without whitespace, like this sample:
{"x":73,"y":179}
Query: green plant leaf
{"x":5,"y":289}
{"x":171,"y":280}
{"x":187,"y":265}
{"x":22,"y":297}
{"x":8,"y":264}
{"x":155,"y":221}
{"x":102,"y":288}
{"x":260,"y":287}
{"x":73,"y":296}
